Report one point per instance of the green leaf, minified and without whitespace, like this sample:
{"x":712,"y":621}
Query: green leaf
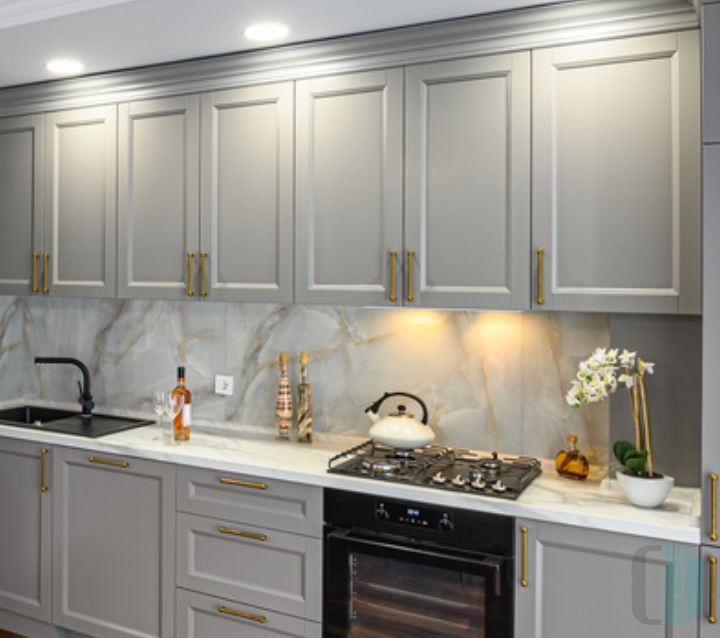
{"x":636,"y":462}
{"x":621,"y":448}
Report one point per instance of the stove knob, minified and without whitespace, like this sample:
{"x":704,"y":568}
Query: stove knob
{"x":499,"y":487}
{"x":445,"y":524}
{"x":439,"y":478}
{"x":459,"y":481}
{"x":382,"y":514}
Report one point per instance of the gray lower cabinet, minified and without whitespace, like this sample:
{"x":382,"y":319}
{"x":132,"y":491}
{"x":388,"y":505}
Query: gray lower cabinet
{"x":616,"y":175}
{"x":709,"y":559}
{"x":261,"y":567}
{"x":711,"y":73}
{"x":247,"y":185}
{"x":25,"y":523}
{"x":158,"y":198}
{"x":113,"y":545}
{"x":80,"y":201}
{"x":21,"y":158}
{"x":467,"y":212}
{"x":200,"y":616}
{"x":573,"y":581}
{"x":349,"y":189}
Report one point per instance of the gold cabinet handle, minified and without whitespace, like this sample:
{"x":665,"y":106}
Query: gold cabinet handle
{"x":410,"y":258}
{"x":203,"y":289}
{"x":540,"y":276}
{"x":189,"y":291}
{"x":239,"y":483}
{"x":46,"y":258}
{"x":43,"y":470}
{"x":35,"y":288}
{"x":112,"y":462}
{"x":393,"y":275}
{"x":242,"y":614}
{"x":524,"y":557}
{"x":712,"y":618}
{"x":242,"y":534}
{"x":713,"y":507}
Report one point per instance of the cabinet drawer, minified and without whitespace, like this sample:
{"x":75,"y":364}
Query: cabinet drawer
{"x":200,"y":616}
{"x":289,"y":507}
{"x":255,"y":565}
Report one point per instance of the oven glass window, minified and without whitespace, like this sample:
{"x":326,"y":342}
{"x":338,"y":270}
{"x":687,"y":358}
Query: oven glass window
{"x":391,"y":598}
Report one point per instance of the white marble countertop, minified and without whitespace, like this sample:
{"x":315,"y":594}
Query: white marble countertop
{"x":251,"y":451}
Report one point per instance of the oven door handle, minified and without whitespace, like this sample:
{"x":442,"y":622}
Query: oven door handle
{"x":494,"y":566}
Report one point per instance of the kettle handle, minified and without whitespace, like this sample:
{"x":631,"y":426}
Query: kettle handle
{"x":373,"y":409}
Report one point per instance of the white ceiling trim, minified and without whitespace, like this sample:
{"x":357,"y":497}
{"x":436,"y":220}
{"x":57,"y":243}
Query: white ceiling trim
{"x":17,"y":12}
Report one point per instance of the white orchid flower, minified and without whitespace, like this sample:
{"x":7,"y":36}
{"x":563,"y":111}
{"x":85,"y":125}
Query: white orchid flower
{"x":646,"y":367}
{"x":627,"y":358}
{"x":627,"y":379}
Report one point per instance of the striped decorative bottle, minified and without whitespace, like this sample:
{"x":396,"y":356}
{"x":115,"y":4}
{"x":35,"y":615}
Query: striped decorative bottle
{"x":284,"y":401}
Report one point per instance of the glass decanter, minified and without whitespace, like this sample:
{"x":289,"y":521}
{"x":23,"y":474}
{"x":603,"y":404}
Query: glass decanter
{"x":571,"y":463}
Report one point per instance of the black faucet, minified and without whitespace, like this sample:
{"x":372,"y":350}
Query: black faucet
{"x":86,"y":399}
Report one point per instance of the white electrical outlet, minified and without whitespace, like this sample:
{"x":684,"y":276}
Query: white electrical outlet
{"x":224,"y":385}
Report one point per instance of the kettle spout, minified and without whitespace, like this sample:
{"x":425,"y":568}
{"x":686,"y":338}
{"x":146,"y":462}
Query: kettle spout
{"x":374,"y":416}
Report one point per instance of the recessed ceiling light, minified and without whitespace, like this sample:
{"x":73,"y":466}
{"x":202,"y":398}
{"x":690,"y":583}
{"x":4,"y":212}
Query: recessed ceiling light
{"x":266,"y":32}
{"x":65,"y":66}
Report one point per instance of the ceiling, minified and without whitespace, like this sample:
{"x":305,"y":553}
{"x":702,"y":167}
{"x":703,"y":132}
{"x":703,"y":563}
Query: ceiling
{"x":115,"y":34}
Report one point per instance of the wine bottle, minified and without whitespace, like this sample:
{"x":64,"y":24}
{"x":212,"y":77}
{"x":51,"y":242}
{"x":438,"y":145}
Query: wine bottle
{"x":181,"y":424}
{"x":284,"y":402}
{"x":304,"y":408}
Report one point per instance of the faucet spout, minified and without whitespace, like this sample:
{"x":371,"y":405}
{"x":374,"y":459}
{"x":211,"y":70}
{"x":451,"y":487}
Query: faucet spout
{"x":86,"y":399}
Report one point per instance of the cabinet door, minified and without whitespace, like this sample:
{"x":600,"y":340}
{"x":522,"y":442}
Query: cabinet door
{"x":247,"y":194}
{"x":577,"y":581}
{"x":25,"y":508}
{"x":468,"y":183}
{"x":80,"y":201}
{"x":113,"y":546}
{"x":20,"y":204}
{"x":349,"y":189}
{"x":711,"y":68}
{"x":709,"y":566}
{"x":616,"y":175}
{"x":159,"y":176}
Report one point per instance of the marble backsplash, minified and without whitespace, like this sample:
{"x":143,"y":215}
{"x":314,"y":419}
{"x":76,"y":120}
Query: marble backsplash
{"x":491,"y":380}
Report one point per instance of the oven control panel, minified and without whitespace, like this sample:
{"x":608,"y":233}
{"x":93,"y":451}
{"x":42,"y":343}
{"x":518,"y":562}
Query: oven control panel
{"x":413,"y":515}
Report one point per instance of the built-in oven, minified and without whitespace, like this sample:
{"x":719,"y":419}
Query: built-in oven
{"x":396,"y":569}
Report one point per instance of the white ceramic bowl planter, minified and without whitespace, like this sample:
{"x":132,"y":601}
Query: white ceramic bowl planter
{"x":645,"y":492}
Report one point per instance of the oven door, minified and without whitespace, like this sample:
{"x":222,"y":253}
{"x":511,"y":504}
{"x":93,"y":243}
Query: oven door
{"x":385,"y":588}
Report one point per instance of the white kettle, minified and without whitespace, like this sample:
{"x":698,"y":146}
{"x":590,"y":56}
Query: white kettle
{"x":400,"y":429}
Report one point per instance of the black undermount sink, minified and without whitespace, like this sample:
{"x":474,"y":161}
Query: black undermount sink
{"x":67,"y":421}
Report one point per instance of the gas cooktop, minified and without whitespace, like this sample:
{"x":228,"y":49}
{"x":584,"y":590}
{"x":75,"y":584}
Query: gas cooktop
{"x":453,"y":470}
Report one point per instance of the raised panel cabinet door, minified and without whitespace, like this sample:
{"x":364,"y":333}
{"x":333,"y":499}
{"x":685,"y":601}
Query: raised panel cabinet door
{"x":25,"y":513}
{"x":158,"y":198}
{"x":596,"y":584}
{"x":113,"y":545}
{"x":247,"y":187}
{"x":616,"y":175}
{"x":711,"y":72}
{"x":20,"y":204}
{"x":80,"y":202}
{"x":467,"y":214}
{"x":349,"y":192}
{"x":709,"y":566}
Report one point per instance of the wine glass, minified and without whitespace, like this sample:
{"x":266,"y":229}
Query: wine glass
{"x":160,"y":399}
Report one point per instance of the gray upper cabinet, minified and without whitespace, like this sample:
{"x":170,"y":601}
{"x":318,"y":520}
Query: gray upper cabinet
{"x":158,"y":197}
{"x":616,"y":175}
{"x":25,"y":511}
{"x":113,"y":545}
{"x":247,"y":194}
{"x":467,"y":213}
{"x":349,"y":193}
{"x":582,"y":582}
{"x":20,"y":204}
{"x":80,"y":201}
{"x":711,"y":77}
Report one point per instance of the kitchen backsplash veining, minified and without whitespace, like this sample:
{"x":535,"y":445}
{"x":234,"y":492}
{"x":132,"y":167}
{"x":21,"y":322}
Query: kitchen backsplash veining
{"x":491,"y":380}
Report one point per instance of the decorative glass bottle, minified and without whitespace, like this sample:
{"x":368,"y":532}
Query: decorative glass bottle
{"x":284,"y":401}
{"x":304,"y":407}
{"x":571,"y":463}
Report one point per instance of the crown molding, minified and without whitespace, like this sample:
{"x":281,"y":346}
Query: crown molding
{"x":550,"y":25}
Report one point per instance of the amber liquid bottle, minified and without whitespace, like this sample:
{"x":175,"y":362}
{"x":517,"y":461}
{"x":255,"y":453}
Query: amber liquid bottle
{"x":181,"y":424}
{"x":571,"y":463}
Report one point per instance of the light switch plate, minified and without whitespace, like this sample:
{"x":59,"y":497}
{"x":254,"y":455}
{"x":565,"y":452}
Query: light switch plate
{"x":224,"y":385}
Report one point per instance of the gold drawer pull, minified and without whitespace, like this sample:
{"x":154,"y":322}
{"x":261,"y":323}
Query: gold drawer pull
{"x":524,"y":557}
{"x":242,"y":614}
{"x":713,"y":507}
{"x":410,"y":258}
{"x":35,"y":288}
{"x":189,"y":291}
{"x":43,"y":470}
{"x":393,"y":275}
{"x":238,"y":483}
{"x":203,"y":288}
{"x":712,"y":619}
{"x":113,"y":463}
{"x":241,"y":534}
{"x":46,"y":257}
{"x":540,"y":276}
